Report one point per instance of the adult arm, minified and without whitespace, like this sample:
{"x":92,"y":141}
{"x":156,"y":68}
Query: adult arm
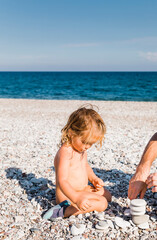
{"x":137,"y":184}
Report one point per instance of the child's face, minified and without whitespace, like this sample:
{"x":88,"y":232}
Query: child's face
{"x":79,"y":145}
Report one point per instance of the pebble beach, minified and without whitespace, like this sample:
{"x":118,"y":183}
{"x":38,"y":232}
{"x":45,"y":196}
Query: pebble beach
{"x":30,"y":132}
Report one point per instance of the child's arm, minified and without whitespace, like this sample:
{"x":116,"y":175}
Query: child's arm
{"x":96,"y":181}
{"x":63,"y":173}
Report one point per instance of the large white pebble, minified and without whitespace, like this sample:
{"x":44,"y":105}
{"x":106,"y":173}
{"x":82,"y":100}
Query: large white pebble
{"x":121,"y":223}
{"x":137,"y":202}
{"x":143,"y":225}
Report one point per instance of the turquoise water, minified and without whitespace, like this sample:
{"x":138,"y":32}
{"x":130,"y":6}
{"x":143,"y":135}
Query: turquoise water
{"x":123,"y":86}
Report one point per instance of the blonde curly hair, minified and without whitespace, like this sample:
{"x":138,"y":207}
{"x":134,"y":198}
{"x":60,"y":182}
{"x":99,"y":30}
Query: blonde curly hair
{"x":85,"y":123}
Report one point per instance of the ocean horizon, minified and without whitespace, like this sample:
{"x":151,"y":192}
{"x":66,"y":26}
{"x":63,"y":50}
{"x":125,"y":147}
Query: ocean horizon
{"x":83,"y":85}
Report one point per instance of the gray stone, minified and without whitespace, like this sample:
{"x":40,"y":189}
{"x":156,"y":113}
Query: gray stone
{"x":143,"y":225}
{"x":100,"y":216}
{"x":127,"y":212}
{"x":121,"y":223}
{"x":34,"y":230}
{"x":137,"y":202}
{"x":140,"y":219}
{"x":138,"y":209}
{"x":35,"y":181}
{"x":102,"y":225}
{"x":155,"y":195}
{"x":79,"y":216}
{"x":133,"y":213}
{"x":79,"y":229}
{"x":153,"y":218}
{"x":110,"y":224}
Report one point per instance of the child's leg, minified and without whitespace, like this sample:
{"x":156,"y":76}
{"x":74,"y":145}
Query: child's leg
{"x":105,"y":193}
{"x":102,"y":192}
{"x":98,"y":203}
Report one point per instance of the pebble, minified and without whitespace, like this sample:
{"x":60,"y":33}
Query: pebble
{"x":80,"y":216}
{"x":140,"y":219}
{"x":138,"y":209}
{"x":78,"y":238}
{"x":77,"y":229}
{"x":137,"y":203}
{"x":110,"y":224}
{"x":100,"y":216}
{"x":127,"y":212}
{"x":121,"y":223}
{"x":153,"y":218}
{"x":155,"y":195}
{"x":134,"y":213}
{"x":34,"y":230}
{"x":19,"y":219}
{"x":102,"y":225}
{"x":143,"y":225}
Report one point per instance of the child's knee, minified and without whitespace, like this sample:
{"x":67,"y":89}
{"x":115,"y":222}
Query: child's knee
{"x":103,"y":205}
{"x":108,"y":195}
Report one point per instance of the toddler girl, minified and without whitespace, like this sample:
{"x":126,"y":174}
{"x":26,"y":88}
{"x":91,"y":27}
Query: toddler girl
{"x":74,"y":196}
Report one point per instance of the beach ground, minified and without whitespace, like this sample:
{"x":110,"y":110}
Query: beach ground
{"x":30,"y":132}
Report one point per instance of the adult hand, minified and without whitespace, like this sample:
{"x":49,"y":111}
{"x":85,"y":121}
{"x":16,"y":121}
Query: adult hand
{"x":137,"y":184}
{"x":152,"y":182}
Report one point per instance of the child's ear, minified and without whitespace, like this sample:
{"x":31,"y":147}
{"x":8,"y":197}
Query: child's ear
{"x":70,"y":133}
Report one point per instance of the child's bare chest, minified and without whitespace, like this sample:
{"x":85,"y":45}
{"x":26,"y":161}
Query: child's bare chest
{"x":78,"y":173}
{"x":78,"y":162}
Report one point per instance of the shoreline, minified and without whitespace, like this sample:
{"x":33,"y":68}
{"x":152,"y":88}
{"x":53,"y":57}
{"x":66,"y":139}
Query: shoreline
{"x":75,"y":100}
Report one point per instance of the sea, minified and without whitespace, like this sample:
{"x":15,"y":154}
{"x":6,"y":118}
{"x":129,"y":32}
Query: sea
{"x":114,"y":86}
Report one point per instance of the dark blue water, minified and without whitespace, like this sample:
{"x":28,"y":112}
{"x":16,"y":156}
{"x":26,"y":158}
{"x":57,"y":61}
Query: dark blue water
{"x":123,"y":86}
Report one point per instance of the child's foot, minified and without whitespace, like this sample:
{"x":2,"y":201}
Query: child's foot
{"x":57,"y":211}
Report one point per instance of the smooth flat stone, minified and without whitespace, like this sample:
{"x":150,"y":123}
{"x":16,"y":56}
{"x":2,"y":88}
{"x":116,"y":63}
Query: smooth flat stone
{"x":101,"y":228}
{"x":77,"y":230}
{"x":36,"y":181}
{"x":133,"y":213}
{"x":138,"y":209}
{"x":102,"y":225}
{"x":121,"y":223}
{"x":110,"y":224}
{"x":143,"y":225}
{"x":81,"y":228}
{"x":100,"y":216}
{"x":137,"y":202}
{"x":140,"y":219}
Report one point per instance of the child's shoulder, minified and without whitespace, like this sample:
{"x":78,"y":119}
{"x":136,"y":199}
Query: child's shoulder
{"x":65,"y":150}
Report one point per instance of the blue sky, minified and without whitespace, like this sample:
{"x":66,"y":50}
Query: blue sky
{"x":84,"y":35}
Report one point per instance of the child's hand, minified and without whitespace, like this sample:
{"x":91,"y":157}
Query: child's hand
{"x":98,"y":183}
